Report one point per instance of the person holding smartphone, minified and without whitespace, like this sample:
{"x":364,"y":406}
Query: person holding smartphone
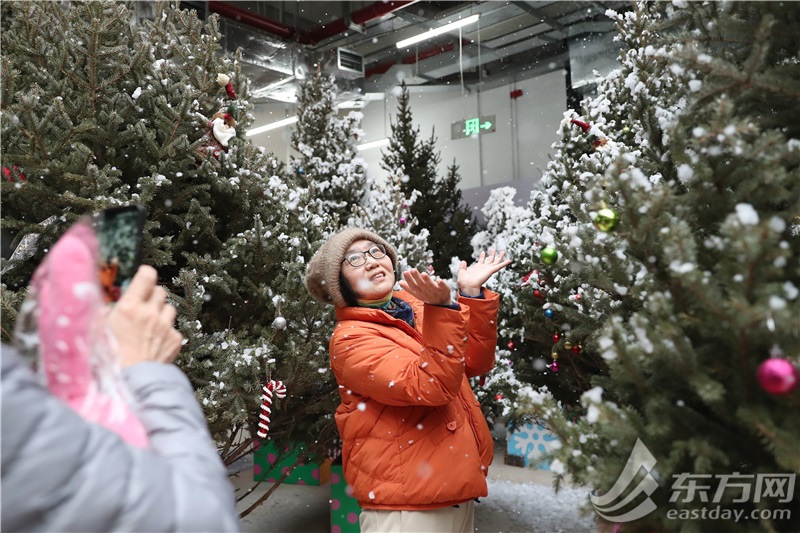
{"x":62,"y":473}
{"x":416,"y":447}
{"x":119,"y":235}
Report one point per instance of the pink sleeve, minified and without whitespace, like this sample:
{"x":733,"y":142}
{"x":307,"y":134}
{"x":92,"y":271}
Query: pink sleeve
{"x":64,"y":316}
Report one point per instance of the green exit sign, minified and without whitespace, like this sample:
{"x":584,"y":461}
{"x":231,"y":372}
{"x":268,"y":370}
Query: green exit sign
{"x":472,"y":126}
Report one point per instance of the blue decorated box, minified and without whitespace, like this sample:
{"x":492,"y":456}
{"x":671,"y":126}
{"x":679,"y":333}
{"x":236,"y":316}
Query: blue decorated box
{"x":527,"y":443}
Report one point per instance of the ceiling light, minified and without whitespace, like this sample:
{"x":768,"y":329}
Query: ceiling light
{"x":273,"y":126}
{"x":373,"y":144}
{"x":352,"y":104}
{"x":438,"y":31}
{"x":272,"y":87}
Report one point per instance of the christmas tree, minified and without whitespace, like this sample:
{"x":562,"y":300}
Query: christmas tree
{"x":387,"y":212}
{"x":101,"y":126}
{"x":553,"y":300}
{"x":672,"y":205}
{"x":456,"y":226}
{"x":328,"y":163}
{"x":98,"y":112}
{"x":439,"y":208}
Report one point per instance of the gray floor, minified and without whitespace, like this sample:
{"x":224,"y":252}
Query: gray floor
{"x":305,"y":509}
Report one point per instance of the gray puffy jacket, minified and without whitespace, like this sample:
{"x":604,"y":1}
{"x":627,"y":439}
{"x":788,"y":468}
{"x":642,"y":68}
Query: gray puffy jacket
{"x":61,"y":473}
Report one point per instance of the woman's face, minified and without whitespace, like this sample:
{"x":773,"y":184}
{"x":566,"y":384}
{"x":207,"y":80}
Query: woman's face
{"x":374,"y":279}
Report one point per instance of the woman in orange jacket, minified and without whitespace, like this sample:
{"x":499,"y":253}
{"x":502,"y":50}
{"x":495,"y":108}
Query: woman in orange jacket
{"x":415,"y":446}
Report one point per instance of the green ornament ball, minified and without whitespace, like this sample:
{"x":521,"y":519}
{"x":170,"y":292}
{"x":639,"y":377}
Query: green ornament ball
{"x":549,"y":255}
{"x":626,"y":130}
{"x":606,"y":219}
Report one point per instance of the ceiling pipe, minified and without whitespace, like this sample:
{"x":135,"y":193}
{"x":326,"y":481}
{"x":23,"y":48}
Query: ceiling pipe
{"x":315,"y":35}
{"x":362,"y":16}
{"x":246,"y":17}
{"x":381,"y":68}
{"x":430,"y":52}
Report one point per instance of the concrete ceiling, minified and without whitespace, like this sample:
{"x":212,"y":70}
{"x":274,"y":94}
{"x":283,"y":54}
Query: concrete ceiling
{"x":283,"y":42}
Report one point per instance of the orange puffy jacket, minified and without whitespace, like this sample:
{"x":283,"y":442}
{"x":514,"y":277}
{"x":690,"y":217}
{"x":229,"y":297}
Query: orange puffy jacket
{"x":413,"y":435}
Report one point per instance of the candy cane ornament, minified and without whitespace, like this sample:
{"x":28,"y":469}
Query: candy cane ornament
{"x":272,"y":387}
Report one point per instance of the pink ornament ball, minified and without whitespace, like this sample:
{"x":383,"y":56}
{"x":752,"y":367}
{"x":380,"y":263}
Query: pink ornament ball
{"x":777,"y":376}
{"x":554,"y":366}
{"x":402,"y":221}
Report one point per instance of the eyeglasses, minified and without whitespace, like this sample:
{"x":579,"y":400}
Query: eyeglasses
{"x":357,"y":259}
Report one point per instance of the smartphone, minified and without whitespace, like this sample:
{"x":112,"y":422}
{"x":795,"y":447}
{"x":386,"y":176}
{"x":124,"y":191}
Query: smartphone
{"x":119,"y":232}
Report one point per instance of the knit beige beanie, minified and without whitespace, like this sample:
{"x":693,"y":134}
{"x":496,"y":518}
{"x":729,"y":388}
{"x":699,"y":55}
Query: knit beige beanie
{"x":322,"y":274}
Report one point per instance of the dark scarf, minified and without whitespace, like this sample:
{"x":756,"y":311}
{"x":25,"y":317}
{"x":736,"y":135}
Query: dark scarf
{"x":397,"y":308}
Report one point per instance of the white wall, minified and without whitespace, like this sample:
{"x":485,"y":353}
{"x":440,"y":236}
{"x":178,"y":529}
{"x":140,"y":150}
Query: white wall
{"x":277,"y":141}
{"x":517,"y":150}
{"x":540,"y":111}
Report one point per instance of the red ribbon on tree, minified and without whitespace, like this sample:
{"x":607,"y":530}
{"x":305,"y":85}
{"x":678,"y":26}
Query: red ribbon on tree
{"x":526,"y":279}
{"x":8,"y":174}
{"x":272,"y":387}
{"x":597,"y":142}
{"x":585,"y":126}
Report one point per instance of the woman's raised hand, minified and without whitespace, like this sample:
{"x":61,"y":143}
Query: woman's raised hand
{"x":472,"y":278}
{"x":423,"y":287}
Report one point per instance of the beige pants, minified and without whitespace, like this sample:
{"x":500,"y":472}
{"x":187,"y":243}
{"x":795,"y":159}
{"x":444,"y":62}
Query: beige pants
{"x":459,"y":519}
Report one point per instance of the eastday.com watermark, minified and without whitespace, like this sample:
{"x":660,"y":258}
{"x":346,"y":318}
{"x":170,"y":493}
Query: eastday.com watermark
{"x":719,"y":513}
{"x":688,"y":488}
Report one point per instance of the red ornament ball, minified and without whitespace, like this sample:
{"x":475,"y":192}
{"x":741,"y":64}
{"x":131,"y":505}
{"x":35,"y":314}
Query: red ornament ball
{"x":556,"y":337}
{"x":538,"y":294}
{"x":577,"y":348}
{"x":511,"y":345}
{"x":498,"y":397}
{"x":777,"y":376}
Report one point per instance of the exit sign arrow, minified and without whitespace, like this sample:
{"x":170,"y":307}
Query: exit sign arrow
{"x":473,"y":126}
